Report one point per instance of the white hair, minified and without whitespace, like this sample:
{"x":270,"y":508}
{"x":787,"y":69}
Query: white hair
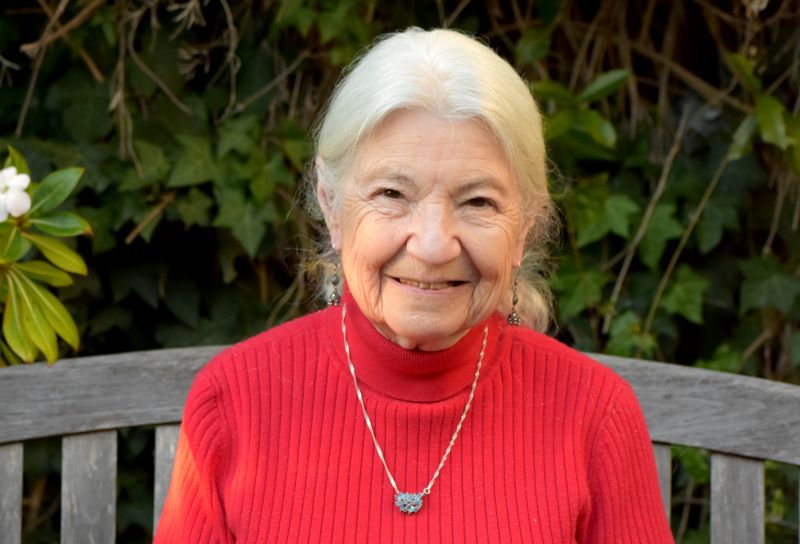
{"x":457,"y":78}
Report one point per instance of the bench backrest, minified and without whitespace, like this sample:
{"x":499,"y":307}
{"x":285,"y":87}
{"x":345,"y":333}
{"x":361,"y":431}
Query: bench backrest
{"x":741,"y":420}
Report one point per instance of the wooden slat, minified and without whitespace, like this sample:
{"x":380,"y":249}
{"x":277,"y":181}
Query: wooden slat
{"x":89,"y":488}
{"x":715,"y":410}
{"x":97,"y":393}
{"x":166,"y":442}
{"x":663,"y":453}
{"x":737,"y":500}
{"x":11,"y":493}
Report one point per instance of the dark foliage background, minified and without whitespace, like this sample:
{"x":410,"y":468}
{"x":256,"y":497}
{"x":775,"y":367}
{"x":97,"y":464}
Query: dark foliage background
{"x":673,"y":129}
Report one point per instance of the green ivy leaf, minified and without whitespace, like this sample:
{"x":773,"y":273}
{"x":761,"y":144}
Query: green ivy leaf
{"x":533,"y":45}
{"x":595,"y":214}
{"x":596,"y":127}
{"x":13,"y":246}
{"x":62,"y":224}
{"x":194,"y":208}
{"x":626,"y":337}
{"x":547,"y":89}
{"x":724,"y":359}
{"x":53,"y":190}
{"x":794,"y":348}
{"x":744,"y":69}
{"x":154,"y":164}
{"x":663,"y":227}
{"x":578,"y":290}
{"x":16,"y":160}
{"x":58,"y":253}
{"x":720,"y":214}
{"x":685,"y":295}
{"x":246,"y":221}
{"x":44,"y":272}
{"x":767,"y":284}
{"x":603,"y":85}
{"x":771,"y":125}
{"x":196,"y":163}
{"x":239,"y":134}
{"x":743,"y":138}
{"x":14,"y":328}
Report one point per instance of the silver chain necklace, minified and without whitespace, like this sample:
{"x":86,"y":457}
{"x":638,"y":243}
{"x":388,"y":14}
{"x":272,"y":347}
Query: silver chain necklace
{"x":410,"y":503}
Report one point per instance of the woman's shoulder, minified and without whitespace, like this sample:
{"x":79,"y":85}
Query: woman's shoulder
{"x":563,"y":359}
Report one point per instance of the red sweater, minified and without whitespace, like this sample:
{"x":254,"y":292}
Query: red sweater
{"x":274,"y":447}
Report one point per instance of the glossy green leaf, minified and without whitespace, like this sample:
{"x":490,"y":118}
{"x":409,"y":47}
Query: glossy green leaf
{"x":744,"y":69}
{"x":663,"y":227}
{"x":53,"y":190}
{"x":558,"y":124}
{"x":767,"y":284}
{"x":62,"y":224}
{"x":246,"y":221}
{"x":58,"y":253}
{"x":596,"y":127}
{"x":719,"y":215}
{"x":8,"y":354}
{"x":195,"y":164}
{"x":626,"y":337}
{"x":603,"y":85}
{"x":194,"y":208}
{"x":595,"y":213}
{"x":34,"y":322}
{"x":533,"y":45}
{"x":13,"y":246}
{"x":16,"y":160}
{"x":14,"y":328}
{"x":548,"y":89}
{"x":45,"y":273}
{"x":53,"y":311}
{"x":743,"y":138}
{"x":771,"y":124}
{"x":685,"y":294}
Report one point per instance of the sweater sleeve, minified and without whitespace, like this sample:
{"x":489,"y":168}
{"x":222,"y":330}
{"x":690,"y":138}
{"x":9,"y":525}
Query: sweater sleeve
{"x":193,"y":511}
{"x":626,"y":504}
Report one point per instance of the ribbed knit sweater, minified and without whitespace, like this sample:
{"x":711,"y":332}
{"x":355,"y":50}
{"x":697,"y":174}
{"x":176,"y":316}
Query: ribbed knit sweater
{"x":274,"y":447}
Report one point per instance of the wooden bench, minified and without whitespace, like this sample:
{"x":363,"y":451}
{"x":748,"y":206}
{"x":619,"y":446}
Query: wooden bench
{"x":741,"y":420}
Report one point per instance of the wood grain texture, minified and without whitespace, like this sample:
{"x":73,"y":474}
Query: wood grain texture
{"x":97,"y":393}
{"x":89,"y":488}
{"x":718,"y":411}
{"x":663,"y":454}
{"x":737,"y":500}
{"x":166,"y":442}
{"x":11,"y":493}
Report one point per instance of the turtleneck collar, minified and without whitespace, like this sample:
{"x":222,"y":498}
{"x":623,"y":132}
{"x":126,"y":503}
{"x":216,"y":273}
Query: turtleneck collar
{"x":413,"y":375}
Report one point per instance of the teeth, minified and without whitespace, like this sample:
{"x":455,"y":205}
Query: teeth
{"x":414,"y":283}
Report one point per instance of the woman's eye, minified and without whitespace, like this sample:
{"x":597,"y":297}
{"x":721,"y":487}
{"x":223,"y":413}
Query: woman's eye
{"x":480,"y":202}
{"x":391,"y":193}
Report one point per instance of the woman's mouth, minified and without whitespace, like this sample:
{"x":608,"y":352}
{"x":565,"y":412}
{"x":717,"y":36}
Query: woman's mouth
{"x":425,"y":285}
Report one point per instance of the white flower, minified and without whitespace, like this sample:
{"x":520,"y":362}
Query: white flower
{"x":13,"y":198}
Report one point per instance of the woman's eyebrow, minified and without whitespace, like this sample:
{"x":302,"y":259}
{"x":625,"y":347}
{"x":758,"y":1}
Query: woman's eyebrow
{"x":481,"y":183}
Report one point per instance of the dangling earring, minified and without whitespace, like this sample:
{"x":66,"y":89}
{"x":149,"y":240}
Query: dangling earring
{"x":333,"y":297}
{"x":513,"y":317}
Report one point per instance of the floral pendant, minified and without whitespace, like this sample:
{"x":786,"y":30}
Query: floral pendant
{"x":408,"y":503}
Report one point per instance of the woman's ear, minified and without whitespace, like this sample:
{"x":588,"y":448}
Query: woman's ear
{"x":325,"y":200}
{"x":519,"y":248}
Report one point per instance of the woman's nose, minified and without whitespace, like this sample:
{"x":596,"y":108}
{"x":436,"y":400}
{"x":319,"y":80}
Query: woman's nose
{"x":433,"y":238}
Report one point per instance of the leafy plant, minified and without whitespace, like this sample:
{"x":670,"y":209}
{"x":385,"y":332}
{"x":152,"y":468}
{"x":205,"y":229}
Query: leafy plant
{"x":33,"y":317}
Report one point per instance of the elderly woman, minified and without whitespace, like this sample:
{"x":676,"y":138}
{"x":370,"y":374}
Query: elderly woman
{"x":422,"y":405}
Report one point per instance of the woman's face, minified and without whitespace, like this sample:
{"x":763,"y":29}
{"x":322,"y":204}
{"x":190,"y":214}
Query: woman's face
{"x":429,"y":227}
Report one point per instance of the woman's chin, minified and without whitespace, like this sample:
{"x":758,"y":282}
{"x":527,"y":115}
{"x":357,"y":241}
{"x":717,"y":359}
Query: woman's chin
{"x":423,"y":334}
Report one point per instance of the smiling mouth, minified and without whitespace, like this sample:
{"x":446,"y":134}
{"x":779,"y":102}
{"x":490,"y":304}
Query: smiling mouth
{"x":431,"y":286}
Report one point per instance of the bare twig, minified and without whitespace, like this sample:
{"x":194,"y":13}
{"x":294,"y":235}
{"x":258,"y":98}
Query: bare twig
{"x":782,"y":189}
{"x":698,"y":212}
{"x":268,"y":87}
{"x":85,"y":56}
{"x":23,"y":112}
{"x":709,"y":92}
{"x":166,"y":199}
{"x":648,"y":214}
{"x":31,"y":49}
{"x":456,"y":12}
{"x":5,"y":66}
{"x":231,"y":60}
{"x":148,"y":72}
{"x":579,"y":58}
